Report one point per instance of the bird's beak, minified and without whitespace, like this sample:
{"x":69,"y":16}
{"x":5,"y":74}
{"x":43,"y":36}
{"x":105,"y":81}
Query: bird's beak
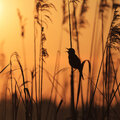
{"x":67,"y":49}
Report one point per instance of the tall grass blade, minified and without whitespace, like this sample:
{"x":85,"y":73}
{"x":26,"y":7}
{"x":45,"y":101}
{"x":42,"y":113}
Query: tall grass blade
{"x":4,"y":68}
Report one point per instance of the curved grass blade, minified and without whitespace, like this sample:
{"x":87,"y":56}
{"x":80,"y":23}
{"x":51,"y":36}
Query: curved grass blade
{"x":80,"y":76}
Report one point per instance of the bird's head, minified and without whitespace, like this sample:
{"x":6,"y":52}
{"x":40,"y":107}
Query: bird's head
{"x":70,"y":51}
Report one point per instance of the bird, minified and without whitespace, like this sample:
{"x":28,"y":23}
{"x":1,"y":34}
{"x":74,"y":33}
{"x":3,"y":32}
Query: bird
{"x":74,"y":60}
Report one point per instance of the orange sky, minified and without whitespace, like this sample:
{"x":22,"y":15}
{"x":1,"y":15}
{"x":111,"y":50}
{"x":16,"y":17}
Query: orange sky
{"x":10,"y":33}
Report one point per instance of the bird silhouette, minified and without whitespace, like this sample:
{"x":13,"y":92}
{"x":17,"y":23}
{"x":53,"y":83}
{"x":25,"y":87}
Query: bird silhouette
{"x":74,"y":60}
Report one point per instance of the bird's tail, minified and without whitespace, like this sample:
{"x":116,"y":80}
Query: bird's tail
{"x":80,"y":71}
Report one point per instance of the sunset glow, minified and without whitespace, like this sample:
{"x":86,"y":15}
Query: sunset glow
{"x":1,"y":9}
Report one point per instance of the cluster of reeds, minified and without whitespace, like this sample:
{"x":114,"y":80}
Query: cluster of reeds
{"x":107,"y":64}
{"x":41,"y":16}
{"x":108,"y":70}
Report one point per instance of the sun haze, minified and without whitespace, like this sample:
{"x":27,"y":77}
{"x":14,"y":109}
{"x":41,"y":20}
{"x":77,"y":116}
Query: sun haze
{"x":1,"y":8}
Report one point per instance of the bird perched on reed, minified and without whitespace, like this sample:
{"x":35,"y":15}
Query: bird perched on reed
{"x":74,"y":60}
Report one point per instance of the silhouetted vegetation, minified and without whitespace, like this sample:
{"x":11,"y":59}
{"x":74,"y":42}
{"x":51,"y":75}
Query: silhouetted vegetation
{"x":23,"y":94}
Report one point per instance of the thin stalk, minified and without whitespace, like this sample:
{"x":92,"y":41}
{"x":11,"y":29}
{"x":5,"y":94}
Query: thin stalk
{"x":41,"y":85}
{"x":6,"y":100}
{"x":77,"y":39}
{"x":11,"y":89}
{"x":93,"y":39}
{"x":115,"y":72}
{"x":106,"y":98}
{"x":23,"y":77}
{"x":108,"y":92}
{"x":72,"y":95}
{"x":39,"y":116}
{"x":58,"y":108}
{"x":31,"y":85}
{"x":32,"y":91}
{"x":96,"y":82}
{"x":35,"y":61}
{"x":83,"y":115}
{"x":41,"y":70}
{"x":106,"y":74}
{"x":103,"y":63}
{"x":112,"y":100}
{"x":72,"y":81}
{"x":19,"y":92}
{"x":15,"y":111}
{"x":70,"y":24}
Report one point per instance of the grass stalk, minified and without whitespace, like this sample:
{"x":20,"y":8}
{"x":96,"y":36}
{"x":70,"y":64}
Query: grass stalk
{"x":110,"y":102}
{"x":103,"y":63}
{"x":11,"y":88}
{"x":115,"y":76}
{"x":69,"y":24}
{"x":40,"y":74}
{"x":72,"y":76}
{"x":15,"y":99}
{"x":108,"y":80}
{"x":41,"y":77}
{"x":6,"y":100}
{"x":58,"y":108}
{"x":32,"y":77}
{"x":25,"y":89}
{"x":91,"y":101}
{"x":105,"y":49}
{"x":35,"y":61}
